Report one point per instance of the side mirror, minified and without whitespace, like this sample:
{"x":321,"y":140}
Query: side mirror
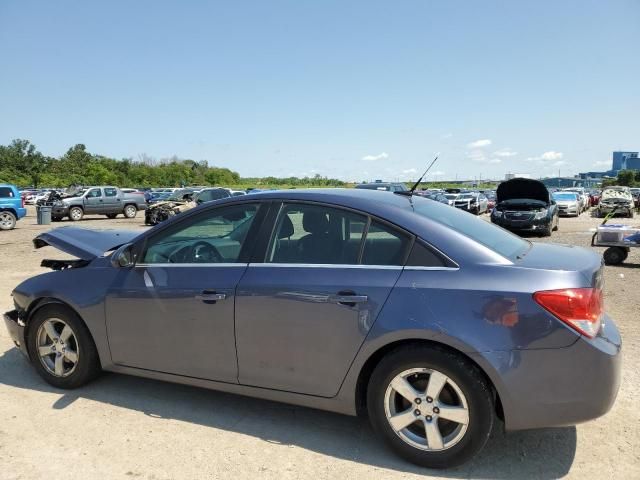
{"x":123,"y":257}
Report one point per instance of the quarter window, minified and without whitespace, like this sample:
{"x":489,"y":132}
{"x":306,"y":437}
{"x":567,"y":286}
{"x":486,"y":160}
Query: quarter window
{"x":216,"y":236}
{"x":384,"y":245}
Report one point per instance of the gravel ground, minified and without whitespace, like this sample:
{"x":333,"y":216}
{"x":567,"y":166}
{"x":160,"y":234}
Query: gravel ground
{"x":126,"y":427}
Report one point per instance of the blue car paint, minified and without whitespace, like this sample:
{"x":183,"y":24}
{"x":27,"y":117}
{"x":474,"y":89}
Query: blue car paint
{"x":13,"y":203}
{"x":537,"y":365}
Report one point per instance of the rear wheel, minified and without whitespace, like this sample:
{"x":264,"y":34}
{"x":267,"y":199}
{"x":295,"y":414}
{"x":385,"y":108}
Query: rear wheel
{"x":76,"y":214}
{"x":614,"y":255}
{"x":7,"y":220}
{"x":130,"y":211}
{"x":432,"y":407}
{"x":61,"y":348}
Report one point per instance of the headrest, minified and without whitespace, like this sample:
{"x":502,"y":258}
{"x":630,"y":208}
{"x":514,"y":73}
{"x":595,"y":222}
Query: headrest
{"x":286,"y":228}
{"x":315,"y":222}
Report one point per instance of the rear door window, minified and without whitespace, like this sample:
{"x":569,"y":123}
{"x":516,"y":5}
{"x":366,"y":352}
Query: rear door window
{"x":6,"y":192}
{"x":385,"y":245}
{"x":110,"y":192}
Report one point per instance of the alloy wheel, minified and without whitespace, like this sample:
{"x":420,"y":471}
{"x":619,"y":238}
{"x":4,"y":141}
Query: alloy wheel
{"x":58,"y":347}
{"x":426,"y":409}
{"x":7,"y":220}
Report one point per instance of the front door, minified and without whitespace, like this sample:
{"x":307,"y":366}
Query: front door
{"x":302,"y":315}
{"x":93,"y":201}
{"x":174,"y":311}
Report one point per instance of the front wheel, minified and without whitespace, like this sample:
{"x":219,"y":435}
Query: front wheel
{"x":61,"y":348}
{"x":7,"y":220}
{"x":130,"y":211}
{"x":432,"y":407}
{"x":76,"y":214}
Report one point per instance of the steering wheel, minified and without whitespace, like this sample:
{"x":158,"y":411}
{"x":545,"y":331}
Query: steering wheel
{"x":204,"y":252}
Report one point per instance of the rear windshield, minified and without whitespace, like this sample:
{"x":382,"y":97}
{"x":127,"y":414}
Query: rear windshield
{"x":495,"y":238}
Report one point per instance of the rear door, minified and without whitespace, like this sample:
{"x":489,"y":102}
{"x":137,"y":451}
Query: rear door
{"x":305,"y":307}
{"x":112,"y":202}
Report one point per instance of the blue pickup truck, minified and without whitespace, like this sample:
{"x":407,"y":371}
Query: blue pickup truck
{"x":11,"y":206}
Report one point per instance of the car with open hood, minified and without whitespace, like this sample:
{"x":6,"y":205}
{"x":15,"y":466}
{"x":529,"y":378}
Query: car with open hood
{"x":525,"y":205}
{"x":340,"y":299}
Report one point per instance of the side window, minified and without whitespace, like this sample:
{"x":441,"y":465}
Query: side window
{"x":94,"y":192}
{"x":384,"y":245}
{"x":423,"y":256}
{"x":315,"y":234}
{"x":6,"y":192}
{"x":110,"y":192}
{"x":216,"y":236}
{"x":204,"y":196}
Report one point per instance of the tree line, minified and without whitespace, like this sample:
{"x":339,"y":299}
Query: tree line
{"x":22,"y":164}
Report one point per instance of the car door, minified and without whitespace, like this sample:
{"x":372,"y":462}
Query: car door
{"x":93,"y":201}
{"x":112,"y":203}
{"x":305,"y":306}
{"x":174,"y":311}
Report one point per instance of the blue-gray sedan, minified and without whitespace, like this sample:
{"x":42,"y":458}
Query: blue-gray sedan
{"x":430,"y":320}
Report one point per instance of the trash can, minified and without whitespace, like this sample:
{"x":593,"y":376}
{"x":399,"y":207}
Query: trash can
{"x":43,"y":214}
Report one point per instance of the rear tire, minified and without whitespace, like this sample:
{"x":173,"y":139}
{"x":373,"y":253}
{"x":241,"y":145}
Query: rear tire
{"x":7,"y":220}
{"x":448,"y":442}
{"x":71,"y":359}
{"x":130,"y":211}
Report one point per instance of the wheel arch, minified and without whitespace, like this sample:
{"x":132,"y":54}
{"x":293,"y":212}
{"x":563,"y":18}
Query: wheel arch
{"x":10,"y":210}
{"x":43,"y":302}
{"x":374,"y":359}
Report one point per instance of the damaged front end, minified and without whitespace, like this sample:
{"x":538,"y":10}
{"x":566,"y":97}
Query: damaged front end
{"x":162,"y":211}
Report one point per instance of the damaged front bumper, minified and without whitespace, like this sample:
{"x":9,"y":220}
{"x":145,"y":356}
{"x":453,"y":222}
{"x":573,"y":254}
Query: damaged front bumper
{"x":16,"y":326}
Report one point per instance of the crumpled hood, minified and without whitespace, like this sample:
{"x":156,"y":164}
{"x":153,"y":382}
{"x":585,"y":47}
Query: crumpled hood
{"x":84,"y":243}
{"x":521,"y":188}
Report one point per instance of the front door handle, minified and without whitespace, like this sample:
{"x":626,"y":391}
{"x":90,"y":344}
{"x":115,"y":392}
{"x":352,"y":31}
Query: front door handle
{"x":348,"y":298}
{"x":211,"y":296}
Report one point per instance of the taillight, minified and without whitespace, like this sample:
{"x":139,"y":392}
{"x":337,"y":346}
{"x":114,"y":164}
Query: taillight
{"x":580,"y":308}
{"x":22,"y":201}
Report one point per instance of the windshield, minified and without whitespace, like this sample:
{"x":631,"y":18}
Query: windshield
{"x":451,"y":196}
{"x":565,"y":196}
{"x":464,"y":196}
{"x":495,"y":238}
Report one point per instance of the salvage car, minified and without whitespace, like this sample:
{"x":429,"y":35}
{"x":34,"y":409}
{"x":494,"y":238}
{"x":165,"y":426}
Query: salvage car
{"x":473,"y":202}
{"x":525,"y":205}
{"x":339,"y":299}
{"x":179,"y":202}
{"x":569,"y":203}
{"x":618,"y":198}
{"x":11,"y":206}
{"x":109,"y":201}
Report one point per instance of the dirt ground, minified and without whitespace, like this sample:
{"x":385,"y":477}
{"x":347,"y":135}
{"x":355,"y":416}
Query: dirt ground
{"x":126,"y":427}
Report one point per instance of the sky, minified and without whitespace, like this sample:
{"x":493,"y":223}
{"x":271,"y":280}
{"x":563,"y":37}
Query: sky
{"x":357,"y":90}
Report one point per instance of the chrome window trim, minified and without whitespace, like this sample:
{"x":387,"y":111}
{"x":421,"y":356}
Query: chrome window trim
{"x":326,"y":265}
{"x":443,"y":269}
{"x":199,"y":265}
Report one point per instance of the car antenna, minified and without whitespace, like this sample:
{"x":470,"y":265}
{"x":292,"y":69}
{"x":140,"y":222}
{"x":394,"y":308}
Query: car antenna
{"x":415,"y":185}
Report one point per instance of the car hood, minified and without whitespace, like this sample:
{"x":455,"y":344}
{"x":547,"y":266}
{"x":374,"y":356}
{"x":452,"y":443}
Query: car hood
{"x":521,"y":188}
{"x":83,"y":243}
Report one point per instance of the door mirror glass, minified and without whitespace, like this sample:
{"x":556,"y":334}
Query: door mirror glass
{"x":123,"y":257}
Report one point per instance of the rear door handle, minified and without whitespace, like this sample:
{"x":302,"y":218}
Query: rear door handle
{"x":211,"y":296}
{"x":348,"y":298}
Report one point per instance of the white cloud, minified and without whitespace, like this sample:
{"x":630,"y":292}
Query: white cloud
{"x":476,"y":155}
{"x":505,"y":152}
{"x":437,"y":173}
{"x":373,"y":158}
{"x":551,"y":155}
{"x":409,"y":170}
{"x":559,"y":163}
{"x":446,"y":136}
{"x":485,"y":142}
{"x":494,"y":160}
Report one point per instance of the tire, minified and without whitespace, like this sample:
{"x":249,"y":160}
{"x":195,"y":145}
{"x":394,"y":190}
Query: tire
{"x":465,"y":385}
{"x":557,"y":227}
{"x":76,"y":214}
{"x":546,"y":232}
{"x":112,"y":215}
{"x":56,"y":219}
{"x":614,"y":255}
{"x":130,"y":211}
{"x":7,"y":220}
{"x":57,"y":368}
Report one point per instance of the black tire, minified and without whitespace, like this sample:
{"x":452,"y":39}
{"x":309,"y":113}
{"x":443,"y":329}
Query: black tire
{"x":475,"y":388}
{"x":76,"y":214}
{"x":56,"y":219}
{"x":130,"y":211}
{"x":88,"y":362}
{"x":7,"y":220}
{"x":557,"y":227}
{"x":614,"y":255}
{"x":112,"y":215}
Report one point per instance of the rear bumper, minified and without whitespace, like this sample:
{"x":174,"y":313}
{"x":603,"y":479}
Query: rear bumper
{"x":559,"y":387}
{"x":15,"y":327}
{"x":605,"y":210}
